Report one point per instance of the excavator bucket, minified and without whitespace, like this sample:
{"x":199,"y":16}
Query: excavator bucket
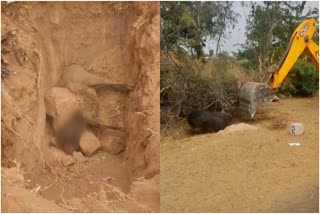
{"x":253,"y":94}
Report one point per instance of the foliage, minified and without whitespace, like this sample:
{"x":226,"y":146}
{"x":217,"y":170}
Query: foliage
{"x":269,"y":28}
{"x":302,"y":80}
{"x":187,"y":76}
{"x":210,"y":85}
{"x":188,"y":25}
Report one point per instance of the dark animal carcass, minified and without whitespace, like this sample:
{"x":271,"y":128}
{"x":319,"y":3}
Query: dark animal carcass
{"x":202,"y":121}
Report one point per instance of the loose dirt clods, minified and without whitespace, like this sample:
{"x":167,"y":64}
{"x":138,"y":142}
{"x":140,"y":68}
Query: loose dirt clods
{"x":88,"y":57}
{"x":278,"y":124}
{"x":89,"y":143}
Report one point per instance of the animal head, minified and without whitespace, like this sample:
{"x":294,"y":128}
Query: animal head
{"x":77,"y":115}
{"x":78,"y":120}
{"x":186,"y":109}
{"x":191,"y":109}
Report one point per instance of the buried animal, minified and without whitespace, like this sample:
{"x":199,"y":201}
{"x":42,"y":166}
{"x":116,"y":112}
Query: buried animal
{"x":68,"y":136}
{"x":202,"y":121}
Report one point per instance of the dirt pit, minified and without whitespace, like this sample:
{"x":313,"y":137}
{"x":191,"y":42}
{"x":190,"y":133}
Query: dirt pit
{"x":115,"y":42}
{"x":249,"y":170}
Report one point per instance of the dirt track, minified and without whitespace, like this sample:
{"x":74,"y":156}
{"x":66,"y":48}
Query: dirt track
{"x":247,"y":171}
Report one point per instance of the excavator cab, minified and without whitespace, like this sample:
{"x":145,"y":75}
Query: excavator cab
{"x":253,"y":94}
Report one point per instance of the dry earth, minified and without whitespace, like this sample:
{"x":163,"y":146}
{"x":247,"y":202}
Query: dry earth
{"x":249,"y":170}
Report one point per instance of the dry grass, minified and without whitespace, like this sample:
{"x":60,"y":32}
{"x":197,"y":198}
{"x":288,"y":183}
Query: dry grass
{"x":211,"y":84}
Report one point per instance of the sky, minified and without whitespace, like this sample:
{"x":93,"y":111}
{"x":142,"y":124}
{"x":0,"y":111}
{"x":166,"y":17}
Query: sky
{"x":238,"y":33}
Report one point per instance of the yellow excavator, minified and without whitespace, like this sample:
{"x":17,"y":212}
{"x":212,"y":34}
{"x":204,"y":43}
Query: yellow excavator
{"x":253,"y":94}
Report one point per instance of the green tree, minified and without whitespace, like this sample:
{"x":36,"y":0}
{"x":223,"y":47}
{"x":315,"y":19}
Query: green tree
{"x":269,"y":27}
{"x":188,"y":25}
{"x":226,"y":18}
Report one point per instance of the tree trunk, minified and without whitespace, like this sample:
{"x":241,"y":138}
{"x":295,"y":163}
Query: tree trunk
{"x":226,"y":8}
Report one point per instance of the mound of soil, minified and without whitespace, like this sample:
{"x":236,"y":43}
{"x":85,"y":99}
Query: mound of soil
{"x":115,"y":41}
{"x":240,"y":127}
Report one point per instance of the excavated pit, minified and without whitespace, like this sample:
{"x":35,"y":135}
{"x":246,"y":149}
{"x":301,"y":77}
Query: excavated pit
{"x":115,"y":41}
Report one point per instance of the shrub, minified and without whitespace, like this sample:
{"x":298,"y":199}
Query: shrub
{"x":210,"y":85}
{"x":303,"y":79}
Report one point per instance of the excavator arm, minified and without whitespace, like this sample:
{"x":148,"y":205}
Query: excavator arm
{"x":300,"y":40}
{"x":313,"y":51}
{"x":253,"y":94}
